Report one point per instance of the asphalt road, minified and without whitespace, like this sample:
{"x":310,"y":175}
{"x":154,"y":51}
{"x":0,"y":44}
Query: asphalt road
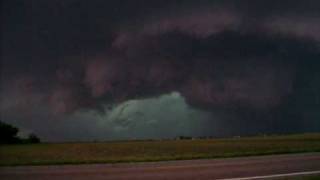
{"x":249,"y":167}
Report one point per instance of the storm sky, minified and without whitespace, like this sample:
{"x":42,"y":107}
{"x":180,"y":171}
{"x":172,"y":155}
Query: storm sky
{"x":100,"y":70}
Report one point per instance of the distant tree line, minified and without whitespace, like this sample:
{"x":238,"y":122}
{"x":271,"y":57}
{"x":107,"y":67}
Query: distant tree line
{"x":190,"y":137}
{"x":9,"y":135}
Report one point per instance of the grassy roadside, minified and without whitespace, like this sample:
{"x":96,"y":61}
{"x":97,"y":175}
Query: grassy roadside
{"x":306,"y":177}
{"x":139,"y":151}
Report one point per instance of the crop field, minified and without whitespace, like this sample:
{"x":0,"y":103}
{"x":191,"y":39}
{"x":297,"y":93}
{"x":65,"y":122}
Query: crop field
{"x":155,"y":150}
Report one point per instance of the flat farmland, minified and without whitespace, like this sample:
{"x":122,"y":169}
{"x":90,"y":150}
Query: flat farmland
{"x":155,"y":150}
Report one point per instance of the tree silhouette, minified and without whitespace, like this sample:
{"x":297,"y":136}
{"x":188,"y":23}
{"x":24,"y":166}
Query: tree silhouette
{"x":8,"y":134}
{"x":32,"y":138}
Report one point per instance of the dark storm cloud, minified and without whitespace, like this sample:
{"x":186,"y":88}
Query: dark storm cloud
{"x":244,"y":59}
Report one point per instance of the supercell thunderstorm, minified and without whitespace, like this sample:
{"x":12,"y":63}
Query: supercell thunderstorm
{"x":240,"y":69}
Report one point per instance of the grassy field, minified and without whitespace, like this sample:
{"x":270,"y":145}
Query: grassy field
{"x":136,"y":151}
{"x":306,"y":177}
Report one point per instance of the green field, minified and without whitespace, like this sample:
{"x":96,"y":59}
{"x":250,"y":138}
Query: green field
{"x":305,"y":177}
{"x":136,"y":151}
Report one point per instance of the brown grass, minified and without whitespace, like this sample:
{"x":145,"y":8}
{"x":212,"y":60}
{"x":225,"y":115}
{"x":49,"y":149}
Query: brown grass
{"x":136,"y":151}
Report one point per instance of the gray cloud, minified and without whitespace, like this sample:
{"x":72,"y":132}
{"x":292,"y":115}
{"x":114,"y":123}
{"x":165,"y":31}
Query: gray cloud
{"x":238,"y":61}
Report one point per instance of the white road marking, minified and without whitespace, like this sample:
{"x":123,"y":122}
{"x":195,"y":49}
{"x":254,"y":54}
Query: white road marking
{"x":275,"y":175}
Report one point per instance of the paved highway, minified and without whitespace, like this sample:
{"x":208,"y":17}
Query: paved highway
{"x":260,"y":167}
